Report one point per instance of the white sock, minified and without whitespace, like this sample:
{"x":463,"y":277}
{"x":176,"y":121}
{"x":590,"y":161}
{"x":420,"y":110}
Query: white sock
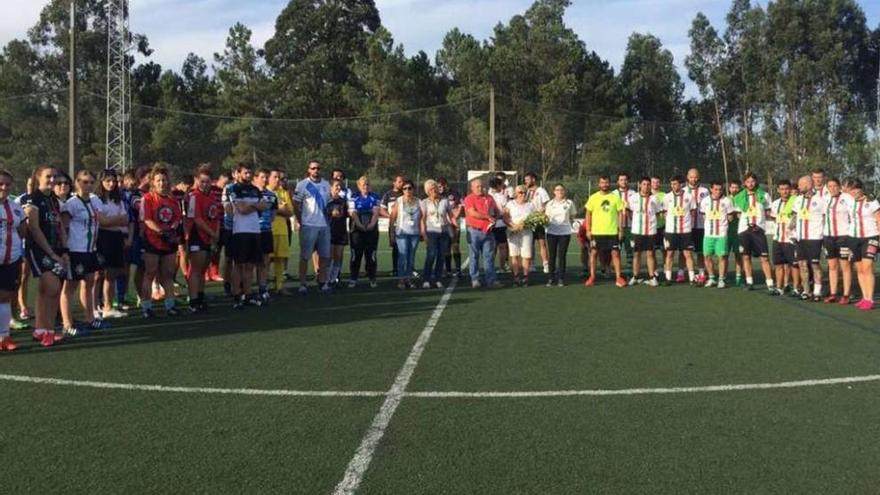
{"x":817,"y":289}
{"x":702,"y":271}
{"x":668,"y":274}
{"x":691,"y":275}
{"x":5,"y":319}
{"x":770,"y":283}
{"x":750,"y":280}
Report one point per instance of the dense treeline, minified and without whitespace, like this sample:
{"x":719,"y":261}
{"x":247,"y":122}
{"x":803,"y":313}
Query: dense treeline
{"x":784,"y":87}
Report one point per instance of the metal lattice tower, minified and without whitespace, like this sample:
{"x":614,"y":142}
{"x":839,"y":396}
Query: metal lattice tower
{"x":118,"y":87}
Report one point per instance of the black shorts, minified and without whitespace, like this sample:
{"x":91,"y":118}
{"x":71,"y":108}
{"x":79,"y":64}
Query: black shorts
{"x":658,"y":239}
{"x":500,"y":234}
{"x":642,"y":243}
{"x":784,"y":253}
{"x":605,"y":243}
{"x":156,"y":251}
{"x":83,"y":264}
{"x":41,"y":263}
{"x":753,"y":242}
{"x":678,"y":242}
{"x":267,"y":242}
{"x":245,"y":248}
{"x":111,"y":246}
{"x":697,"y":236}
{"x":836,"y":247}
{"x":863,"y":248}
{"x":338,"y":237}
{"x":10,"y":276}
{"x":225,"y":235}
{"x":540,"y":234}
{"x":809,"y":251}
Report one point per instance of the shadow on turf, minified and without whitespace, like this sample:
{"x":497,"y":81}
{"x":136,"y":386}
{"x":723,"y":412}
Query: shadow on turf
{"x":345,"y":307}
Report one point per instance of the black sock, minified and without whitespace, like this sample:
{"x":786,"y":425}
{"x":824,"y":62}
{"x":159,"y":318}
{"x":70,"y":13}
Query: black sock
{"x":457,"y":257}
{"x":448,"y":260}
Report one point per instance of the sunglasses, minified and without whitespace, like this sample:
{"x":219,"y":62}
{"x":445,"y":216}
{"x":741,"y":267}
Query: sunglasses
{"x":520,"y":193}
{"x":86,"y":182}
{"x":407,"y":188}
{"x":62,"y":184}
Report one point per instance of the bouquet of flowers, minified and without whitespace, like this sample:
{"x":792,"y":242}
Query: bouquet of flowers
{"x":536,"y":220}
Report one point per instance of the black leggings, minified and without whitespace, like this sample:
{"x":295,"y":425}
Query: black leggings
{"x":557,"y":245}
{"x":363,"y":244}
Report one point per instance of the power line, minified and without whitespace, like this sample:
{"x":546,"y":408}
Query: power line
{"x":301,"y":120}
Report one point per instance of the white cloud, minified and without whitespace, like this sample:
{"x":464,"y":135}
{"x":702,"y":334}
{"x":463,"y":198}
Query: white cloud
{"x":17,"y":18}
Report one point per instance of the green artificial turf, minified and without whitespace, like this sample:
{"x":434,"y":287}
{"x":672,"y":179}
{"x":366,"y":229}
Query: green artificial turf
{"x":816,"y":439}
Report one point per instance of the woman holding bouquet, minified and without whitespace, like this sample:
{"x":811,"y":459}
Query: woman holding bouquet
{"x":560,"y":213}
{"x":519,"y":236}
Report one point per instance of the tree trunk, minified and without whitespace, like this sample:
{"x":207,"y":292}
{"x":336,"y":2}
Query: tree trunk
{"x":721,"y":139}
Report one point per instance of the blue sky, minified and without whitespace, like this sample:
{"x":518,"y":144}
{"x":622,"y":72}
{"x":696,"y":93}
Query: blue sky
{"x":176,"y":27}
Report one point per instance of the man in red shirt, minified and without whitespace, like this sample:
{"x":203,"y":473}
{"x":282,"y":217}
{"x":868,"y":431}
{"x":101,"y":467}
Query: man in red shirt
{"x":481,"y":213}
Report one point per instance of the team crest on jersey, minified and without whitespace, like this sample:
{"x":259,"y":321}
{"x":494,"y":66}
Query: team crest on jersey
{"x":606,"y":206}
{"x":214,"y":211}
{"x":165,"y":214}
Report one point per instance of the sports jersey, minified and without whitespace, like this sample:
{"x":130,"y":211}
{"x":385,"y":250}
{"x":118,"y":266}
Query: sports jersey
{"x":643,"y":213}
{"x":753,"y":210}
{"x":313,"y":198}
{"x":538,"y":197}
{"x":207,"y":207}
{"x":605,"y":209}
{"x":837,"y":215}
{"x":862,"y":217}
{"x":165,"y":211}
{"x":809,"y":213}
{"x":785,"y":231}
{"x":501,"y":198}
{"x":364,"y":205}
{"x":134,"y":200}
{"x":244,"y":193}
{"x":625,"y":197}
{"x":228,"y":216}
{"x":267,"y":216}
{"x":698,"y":194}
{"x":715,"y":213}
{"x":679,"y":208}
{"x":661,"y":218}
{"x":280,"y":223}
{"x":11,"y":217}
{"x":82,"y":234}
{"x":49,"y":218}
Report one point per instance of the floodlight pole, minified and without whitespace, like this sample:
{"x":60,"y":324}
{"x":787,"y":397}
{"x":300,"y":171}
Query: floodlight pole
{"x":71,"y":103}
{"x":492,"y":129}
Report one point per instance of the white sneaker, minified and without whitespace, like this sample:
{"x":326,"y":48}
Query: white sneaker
{"x":709,"y":283}
{"x":722,"y":284}
{"x":97,"y":314}
{"x":373,"y":284}
{"x":352,"y":284}
{"x":439,"y":285}
{"x":303,"y":290}
{"x":426,"y":285}
{"x":475,"y":284}
{"x":546,"y":268}
{"x":113,"y":313}
{"x":633,"y":281}
{"x":653,"y":282}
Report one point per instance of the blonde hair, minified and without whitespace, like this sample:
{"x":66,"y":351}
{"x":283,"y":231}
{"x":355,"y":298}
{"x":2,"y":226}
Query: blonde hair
{"x":363,"y":180}
{"x":429,"y":184}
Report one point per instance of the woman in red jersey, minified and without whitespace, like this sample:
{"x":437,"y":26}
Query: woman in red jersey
{"x":162,"y":220}
{"x":203,"y":214}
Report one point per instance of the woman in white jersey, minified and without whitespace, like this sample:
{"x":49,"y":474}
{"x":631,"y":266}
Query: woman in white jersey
{"x":561,"y":212}
{"x":12,"y":228}
{"x":406,"y":216}
{"x":864,"y":243}
{"x":519,"y":239}
{"x":836,"y":240}
{"x":113,"y":242}
{"x":81,"y":214}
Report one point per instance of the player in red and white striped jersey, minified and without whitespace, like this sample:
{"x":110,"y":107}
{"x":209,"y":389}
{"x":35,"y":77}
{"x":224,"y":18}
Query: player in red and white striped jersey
{"x":679,"y":227}
{"x":643,"y":209}
{"x":864,"y":242}
{"x":717,"y":210}
{"x":819,"y":182}
{"x":12,"y":228}
{"x":785,"y":235}
{"x":698,"y":218}
{"x":808,"y":213}
{"x":836,"y":240}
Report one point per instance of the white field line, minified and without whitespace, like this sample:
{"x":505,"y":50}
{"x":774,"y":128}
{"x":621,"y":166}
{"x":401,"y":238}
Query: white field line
{"x":645,"y":391}
{"x":438,"y":395}
{"x":359,"y":464}
{"x":188,"y":390}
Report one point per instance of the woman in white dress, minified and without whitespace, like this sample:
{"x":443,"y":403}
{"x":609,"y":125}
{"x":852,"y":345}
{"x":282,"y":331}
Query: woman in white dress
{"x":519,"y":239}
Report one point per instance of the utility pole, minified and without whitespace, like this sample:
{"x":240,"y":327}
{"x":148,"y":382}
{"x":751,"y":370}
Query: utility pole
{"x":71,"y":97}
{"x":492,"y":129}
